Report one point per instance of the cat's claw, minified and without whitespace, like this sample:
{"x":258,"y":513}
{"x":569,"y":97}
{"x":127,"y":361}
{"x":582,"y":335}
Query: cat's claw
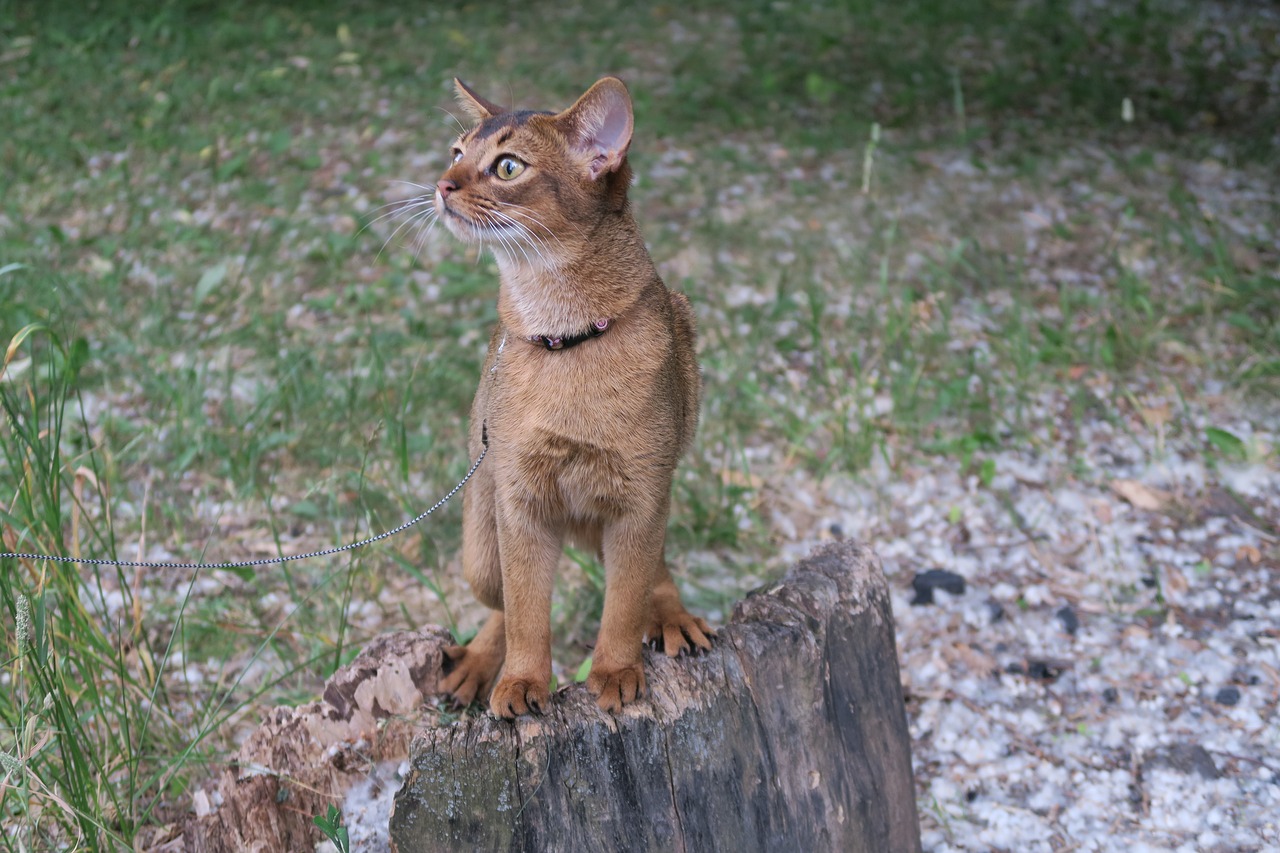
{"x":468,"y":674}
{"x":680,"y":633}
{"x":616,"y":688}
{"x":514,"y":697}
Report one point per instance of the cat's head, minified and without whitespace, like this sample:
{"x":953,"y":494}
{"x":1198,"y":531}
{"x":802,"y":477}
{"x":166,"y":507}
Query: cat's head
{"x":526,"y":182}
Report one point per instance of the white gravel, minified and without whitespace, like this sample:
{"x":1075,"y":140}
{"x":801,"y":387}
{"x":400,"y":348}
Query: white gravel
{"x":1153,"y":727}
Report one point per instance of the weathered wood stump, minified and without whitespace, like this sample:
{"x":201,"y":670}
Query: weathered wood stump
{"x":789,"y":735}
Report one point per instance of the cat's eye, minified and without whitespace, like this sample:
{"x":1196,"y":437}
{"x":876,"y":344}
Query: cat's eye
{"x":508,"y":168}
{"x":457,"y":154}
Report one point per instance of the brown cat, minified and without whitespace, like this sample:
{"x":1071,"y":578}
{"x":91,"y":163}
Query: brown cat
{"x":589,"y":396}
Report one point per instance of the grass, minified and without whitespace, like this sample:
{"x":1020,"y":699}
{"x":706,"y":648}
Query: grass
{"x":219,"y":350}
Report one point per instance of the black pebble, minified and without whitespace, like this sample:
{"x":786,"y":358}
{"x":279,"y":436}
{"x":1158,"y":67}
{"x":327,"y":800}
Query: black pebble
{"x":995,"y":609}
{"x":1070,"y":622}
{"x":924,"y":583}
{"x":836,"y":531}
{"x":1043,"y":670}
{"x":1111,"y":694}
{"x":1228,"y":696}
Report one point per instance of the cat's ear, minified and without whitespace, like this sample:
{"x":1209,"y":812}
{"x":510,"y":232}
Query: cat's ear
{"x":473,"y":105}
{"x":600,"y":124}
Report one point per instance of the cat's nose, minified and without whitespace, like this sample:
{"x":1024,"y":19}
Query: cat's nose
{"x":445,"y":187}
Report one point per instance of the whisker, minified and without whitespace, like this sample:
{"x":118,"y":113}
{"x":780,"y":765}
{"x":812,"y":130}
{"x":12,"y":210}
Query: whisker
{"x":429,"y":213}
{"x":524,"y":232}
{"x":527,"y":213}
{"x":517,"y":244}
{"x":537,"y":242}
{"x":431,"y":190}
{"x":402,"y":207}
{"x":421,"y":242}
{"x":460,"y":125}
{"x":506,"y":244}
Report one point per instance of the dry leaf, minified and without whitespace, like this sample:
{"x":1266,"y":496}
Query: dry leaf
{"x":200,"y":801}
{"x":1143,"y":497}
{"x":1155,"y":416}
{"x":980,"y":664}
{"x":1250,"y":553}
{"x":1174,"y":585}
{"x":734,"y":477}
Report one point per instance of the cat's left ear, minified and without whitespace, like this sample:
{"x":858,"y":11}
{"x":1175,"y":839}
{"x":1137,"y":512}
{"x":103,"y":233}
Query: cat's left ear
{"x":600,"y":124}
{"x":475,"y":106}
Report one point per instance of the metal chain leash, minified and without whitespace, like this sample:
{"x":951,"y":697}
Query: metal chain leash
{"x":267,"y":561}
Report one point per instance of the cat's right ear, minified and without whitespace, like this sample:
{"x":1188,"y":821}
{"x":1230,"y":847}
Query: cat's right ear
{"x":473,"y":105}
{"x":600,"y":125}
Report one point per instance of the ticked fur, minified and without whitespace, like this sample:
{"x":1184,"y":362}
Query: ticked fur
{"x":583,"y":442}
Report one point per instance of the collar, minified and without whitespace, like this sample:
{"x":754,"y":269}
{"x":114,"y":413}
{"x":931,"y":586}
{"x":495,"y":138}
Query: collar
{"x":598,"y":328}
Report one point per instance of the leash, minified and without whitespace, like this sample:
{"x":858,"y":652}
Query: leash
{"x":268,"y":561}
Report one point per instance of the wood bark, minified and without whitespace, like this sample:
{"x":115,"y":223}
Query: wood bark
{"x":789,"y":735}
{"x":301,"y":760}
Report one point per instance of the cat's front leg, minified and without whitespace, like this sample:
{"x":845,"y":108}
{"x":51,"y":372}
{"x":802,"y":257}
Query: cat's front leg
{"x":633,"y":546}
{"x":529,"y":549}
{"x":471,"y":670}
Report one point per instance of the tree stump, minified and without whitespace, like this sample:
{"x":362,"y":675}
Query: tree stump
{"x":789,"y":735}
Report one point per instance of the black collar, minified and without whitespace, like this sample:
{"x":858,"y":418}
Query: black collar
{"x":598,"y":328}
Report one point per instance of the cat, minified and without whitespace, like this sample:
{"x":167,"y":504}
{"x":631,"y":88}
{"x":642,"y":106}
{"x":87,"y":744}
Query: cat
{"x":587,"y":399}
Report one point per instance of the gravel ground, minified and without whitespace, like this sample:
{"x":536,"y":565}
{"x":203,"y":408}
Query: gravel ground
{"x":1108,"y":678}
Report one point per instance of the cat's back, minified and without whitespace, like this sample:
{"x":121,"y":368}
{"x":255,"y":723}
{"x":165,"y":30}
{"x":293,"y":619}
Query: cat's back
{"x":688,"y":377}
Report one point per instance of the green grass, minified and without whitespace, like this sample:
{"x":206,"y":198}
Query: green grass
{"x":232,"y":356}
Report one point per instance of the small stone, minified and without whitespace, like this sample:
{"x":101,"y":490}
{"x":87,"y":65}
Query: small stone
{"x":1043,"y":670}
{"x":1186,"y":758}
{"x":1228,"y":695}
{"x":1070,"y":622}
{"x":924,"y":583}
{"x":1111,"y":695}
{"x":995,"y":610}
{"x":836,"y":531}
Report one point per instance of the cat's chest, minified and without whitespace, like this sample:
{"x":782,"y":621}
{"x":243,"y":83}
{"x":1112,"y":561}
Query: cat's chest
{"x":547,"y":305}
{"x":602,"y":393}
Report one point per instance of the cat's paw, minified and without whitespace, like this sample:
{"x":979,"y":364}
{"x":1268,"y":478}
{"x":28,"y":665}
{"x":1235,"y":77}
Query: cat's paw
{"x":515,"y":696}
{"x":617,"y":687}
{"x":677,"y":631}
{"x":469,"y":673}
